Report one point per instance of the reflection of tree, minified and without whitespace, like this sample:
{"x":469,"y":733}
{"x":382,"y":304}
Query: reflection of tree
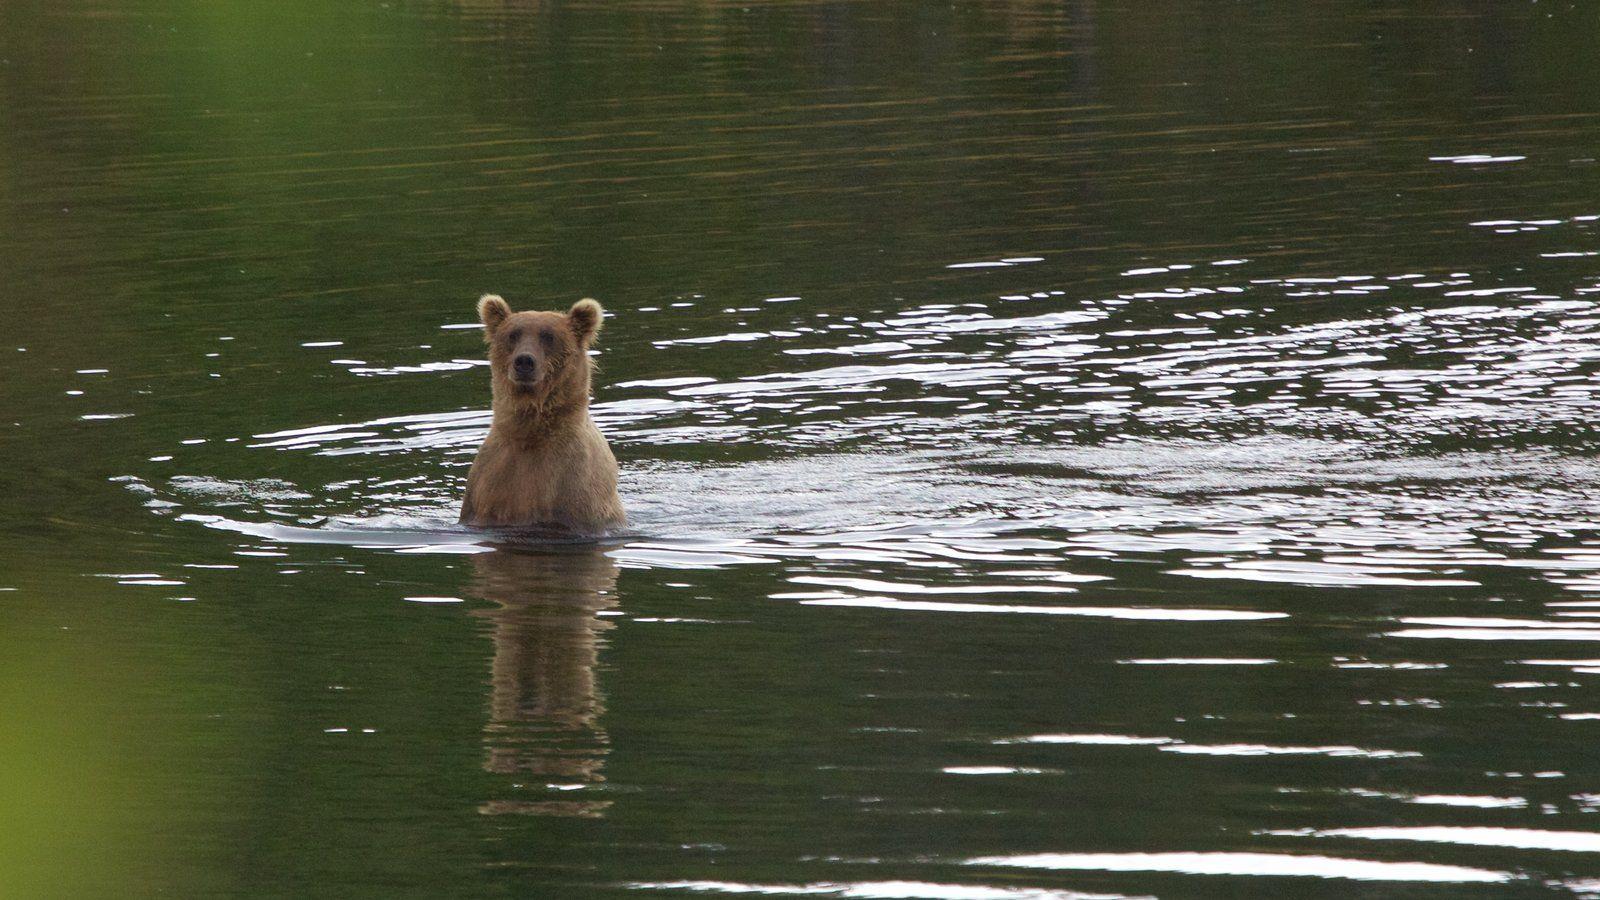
{"x":544,"y":705}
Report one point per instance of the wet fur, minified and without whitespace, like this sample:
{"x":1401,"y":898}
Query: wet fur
{"x":544,"y":463}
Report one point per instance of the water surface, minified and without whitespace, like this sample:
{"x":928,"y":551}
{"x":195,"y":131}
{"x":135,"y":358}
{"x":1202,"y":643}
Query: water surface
{"x":1086,"y":450}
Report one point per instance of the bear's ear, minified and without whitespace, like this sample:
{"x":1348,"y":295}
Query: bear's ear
{"x":492,"y":311}
{"x":585,"y":317}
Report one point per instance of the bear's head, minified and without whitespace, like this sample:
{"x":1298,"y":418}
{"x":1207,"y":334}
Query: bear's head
{"x":540,"y":360}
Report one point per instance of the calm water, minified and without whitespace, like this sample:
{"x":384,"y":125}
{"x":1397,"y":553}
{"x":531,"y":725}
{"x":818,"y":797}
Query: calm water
{"x":1085,"y":450}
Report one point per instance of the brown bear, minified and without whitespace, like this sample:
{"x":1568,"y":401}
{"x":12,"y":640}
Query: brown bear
{"x":544,"y":463}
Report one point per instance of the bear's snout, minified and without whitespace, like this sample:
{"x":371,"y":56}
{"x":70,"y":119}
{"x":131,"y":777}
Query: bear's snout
{"x":524,"y":366}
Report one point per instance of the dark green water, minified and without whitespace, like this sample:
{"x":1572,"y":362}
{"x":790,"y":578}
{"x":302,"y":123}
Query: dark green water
{"x":1087,"y":450}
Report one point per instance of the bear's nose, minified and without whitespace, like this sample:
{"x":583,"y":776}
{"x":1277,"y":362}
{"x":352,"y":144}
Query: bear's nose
{"x":523,"y":364}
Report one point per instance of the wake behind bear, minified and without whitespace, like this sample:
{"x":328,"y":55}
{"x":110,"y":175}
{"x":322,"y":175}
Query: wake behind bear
{"x":544,"y":463}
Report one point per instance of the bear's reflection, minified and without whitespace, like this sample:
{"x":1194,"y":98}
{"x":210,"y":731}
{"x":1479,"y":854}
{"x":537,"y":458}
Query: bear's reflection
{"x":545,"y":706}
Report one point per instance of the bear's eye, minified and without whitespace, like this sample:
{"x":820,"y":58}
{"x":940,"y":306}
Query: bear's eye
{"x":547,"y":338}
{"x":514,"y":336}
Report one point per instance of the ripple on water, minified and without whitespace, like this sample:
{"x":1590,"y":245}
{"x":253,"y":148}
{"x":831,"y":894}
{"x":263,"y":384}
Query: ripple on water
{"x":1476,"y":836}
{"x":1314,"y":513}
{"x":873,"y":890}
{"x":1174,"y":745}
{"x":1251,"y":864}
